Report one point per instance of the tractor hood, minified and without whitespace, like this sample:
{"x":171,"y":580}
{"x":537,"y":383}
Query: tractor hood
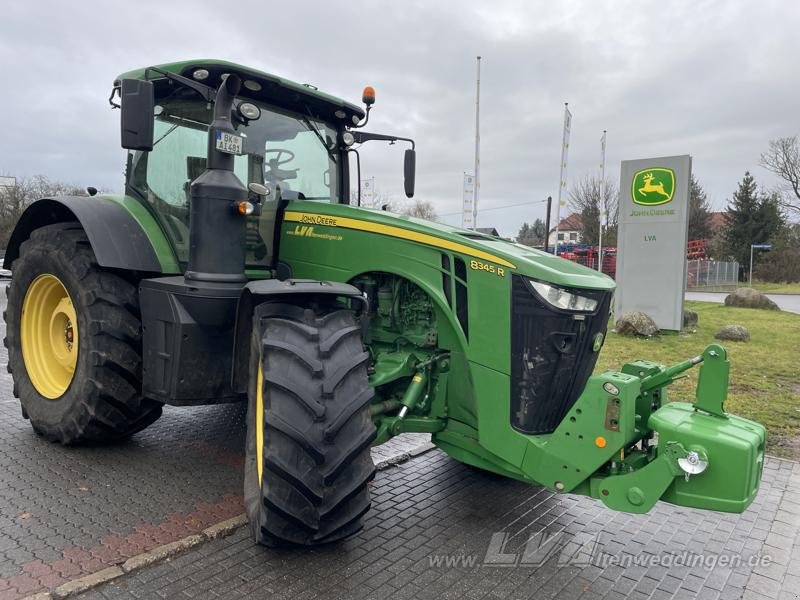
{"x":509,"y":255}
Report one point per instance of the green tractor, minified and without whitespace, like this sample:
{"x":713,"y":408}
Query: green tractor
{"x":235,"y":268}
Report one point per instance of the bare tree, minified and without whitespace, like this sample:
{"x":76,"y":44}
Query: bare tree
{"x":15,"y":199}
{"x":422,"y":209}
{"x":585,"y":199}
{"x":783,"y":159}
{"x":379,"y":200}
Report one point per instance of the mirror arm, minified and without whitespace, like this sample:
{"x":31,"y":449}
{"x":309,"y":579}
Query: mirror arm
{"x":358,"y":175}
{"x":115,"y":90}
{"x":365,"y":136}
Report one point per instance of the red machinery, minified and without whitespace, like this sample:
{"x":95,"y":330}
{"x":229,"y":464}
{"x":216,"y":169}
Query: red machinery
{"x":586,"y":255}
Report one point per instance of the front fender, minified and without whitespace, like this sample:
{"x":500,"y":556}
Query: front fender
{"x":264,"y":290}
{"x":123,"y":234}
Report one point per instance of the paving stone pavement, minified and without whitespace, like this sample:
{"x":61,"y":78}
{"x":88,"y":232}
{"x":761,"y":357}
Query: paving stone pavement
{"x":439,"y":529}
{"x":68,"y":512}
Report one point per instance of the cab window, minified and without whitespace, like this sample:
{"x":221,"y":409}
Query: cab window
{"x":290,"y":153}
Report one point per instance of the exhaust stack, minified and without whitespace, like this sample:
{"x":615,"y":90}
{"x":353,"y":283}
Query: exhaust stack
{"x":216,"y":230}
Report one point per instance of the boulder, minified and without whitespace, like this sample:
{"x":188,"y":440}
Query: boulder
{"x":750,"y":298}
{"x":690,"y":319}
{"x":733,"y":333}
{"x":636,"y":323}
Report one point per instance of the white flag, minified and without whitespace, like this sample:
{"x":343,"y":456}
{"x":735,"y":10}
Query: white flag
{"x":603,"y":214}
{"x":562,"y":183}
{"x":468,"y":195}
{"x":562,"y":197}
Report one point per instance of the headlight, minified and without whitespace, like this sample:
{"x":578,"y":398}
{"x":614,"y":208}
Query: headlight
{"x":562,"y":299}
{"x":249,"y":111}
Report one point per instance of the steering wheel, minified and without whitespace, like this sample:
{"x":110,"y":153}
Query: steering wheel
{"x":279,"y":152}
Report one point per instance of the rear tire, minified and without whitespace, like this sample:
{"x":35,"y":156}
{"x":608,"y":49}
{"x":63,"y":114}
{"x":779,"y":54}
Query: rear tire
{"x":312,"y":423}
{"x":101,"y":400}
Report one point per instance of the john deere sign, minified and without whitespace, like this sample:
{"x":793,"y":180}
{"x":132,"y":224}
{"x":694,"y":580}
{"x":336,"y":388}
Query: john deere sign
{"x":653,"y":186}
{"x":651,"y":250}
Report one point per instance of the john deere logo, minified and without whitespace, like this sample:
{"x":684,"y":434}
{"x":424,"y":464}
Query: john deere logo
{"x":653,"y":186}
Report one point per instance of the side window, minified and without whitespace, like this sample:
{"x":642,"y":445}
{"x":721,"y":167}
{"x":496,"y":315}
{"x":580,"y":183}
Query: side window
{"x":177,"y":158}
{"x":168,"y":164}
{"x":280,"y":149}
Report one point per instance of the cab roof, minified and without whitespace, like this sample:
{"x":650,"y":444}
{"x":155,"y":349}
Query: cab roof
{"x":273,"y":89}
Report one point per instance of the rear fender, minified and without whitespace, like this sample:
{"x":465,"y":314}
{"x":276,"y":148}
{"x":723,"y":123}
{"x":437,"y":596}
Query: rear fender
{"x":123,"y":234}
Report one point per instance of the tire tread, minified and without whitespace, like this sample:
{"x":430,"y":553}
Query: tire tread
{"x":109,"y":405}
{"x":317,"y":463}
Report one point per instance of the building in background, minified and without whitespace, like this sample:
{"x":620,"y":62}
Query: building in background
{"x":569,"y":231}
{"x":488,"y":231}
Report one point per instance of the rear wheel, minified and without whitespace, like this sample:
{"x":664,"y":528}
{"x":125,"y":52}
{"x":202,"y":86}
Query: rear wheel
{"x":74,"y":341}
{"x":309,"y":431}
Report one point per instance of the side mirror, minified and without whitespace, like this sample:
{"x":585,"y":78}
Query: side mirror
{"x":409,"y":172}
{"x":136,"y":119}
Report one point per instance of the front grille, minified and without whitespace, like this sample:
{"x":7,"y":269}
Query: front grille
{"x":551,"y":356}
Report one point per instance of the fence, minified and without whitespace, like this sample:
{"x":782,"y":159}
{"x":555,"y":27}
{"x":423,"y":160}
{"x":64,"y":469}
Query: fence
{"x":711,"y":274}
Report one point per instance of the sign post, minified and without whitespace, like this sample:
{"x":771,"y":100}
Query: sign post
{"x":368,"y":193}
{"x":477,"y":186}
{"x":653,"y":230}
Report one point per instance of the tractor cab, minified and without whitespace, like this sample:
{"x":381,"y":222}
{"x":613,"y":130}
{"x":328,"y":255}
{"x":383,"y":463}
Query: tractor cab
{"x":291,"y":143}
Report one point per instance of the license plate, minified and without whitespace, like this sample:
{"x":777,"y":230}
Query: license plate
{"x":229,"y":143}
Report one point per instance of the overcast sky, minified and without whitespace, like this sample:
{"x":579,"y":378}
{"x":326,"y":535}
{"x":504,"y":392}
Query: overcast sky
{"x":715,"y":80}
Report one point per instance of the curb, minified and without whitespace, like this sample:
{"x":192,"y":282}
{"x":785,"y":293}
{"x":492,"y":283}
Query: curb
{"x":167,"y":551}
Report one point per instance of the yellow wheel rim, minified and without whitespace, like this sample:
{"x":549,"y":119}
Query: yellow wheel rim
{"x":259,"y":422}
{"x":49,"y":336}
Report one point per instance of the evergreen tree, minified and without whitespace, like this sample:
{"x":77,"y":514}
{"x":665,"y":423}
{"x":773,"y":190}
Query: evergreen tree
{"x":524,"y":234}
{"x":532,"y":235}
{"x":538,"y":232}
{"x":699,"y":216}
{"x":752,"y":218}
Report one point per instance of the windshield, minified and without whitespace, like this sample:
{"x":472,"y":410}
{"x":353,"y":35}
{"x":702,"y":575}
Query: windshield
{"x":289,"y":153}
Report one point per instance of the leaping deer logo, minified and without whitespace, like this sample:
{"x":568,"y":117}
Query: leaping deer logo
{"x":649,"y":186}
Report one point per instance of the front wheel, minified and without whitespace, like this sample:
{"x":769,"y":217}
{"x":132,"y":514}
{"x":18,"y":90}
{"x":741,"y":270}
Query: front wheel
{"x":309,"y":430}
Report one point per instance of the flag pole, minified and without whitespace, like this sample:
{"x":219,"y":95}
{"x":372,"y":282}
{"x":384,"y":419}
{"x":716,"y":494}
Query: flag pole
{"x":477,"y":147}
{"x":601,"y":204}
{"x":562,"y":184}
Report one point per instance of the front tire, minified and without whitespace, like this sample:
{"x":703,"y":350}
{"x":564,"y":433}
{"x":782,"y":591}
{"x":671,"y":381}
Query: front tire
{"x":74,"y":341}
{"x":309,"y":430}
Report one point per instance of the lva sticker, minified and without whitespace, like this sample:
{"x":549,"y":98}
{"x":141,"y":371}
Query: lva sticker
{"x":653,"y":186}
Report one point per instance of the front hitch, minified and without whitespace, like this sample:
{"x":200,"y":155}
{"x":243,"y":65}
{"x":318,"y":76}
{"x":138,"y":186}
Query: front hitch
{"x":624,"y":444}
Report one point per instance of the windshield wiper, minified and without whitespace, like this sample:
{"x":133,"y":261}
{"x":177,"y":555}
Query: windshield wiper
{"x":178,"y":121}
{"x":322,"y":141}
{"x":170,"y":130}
